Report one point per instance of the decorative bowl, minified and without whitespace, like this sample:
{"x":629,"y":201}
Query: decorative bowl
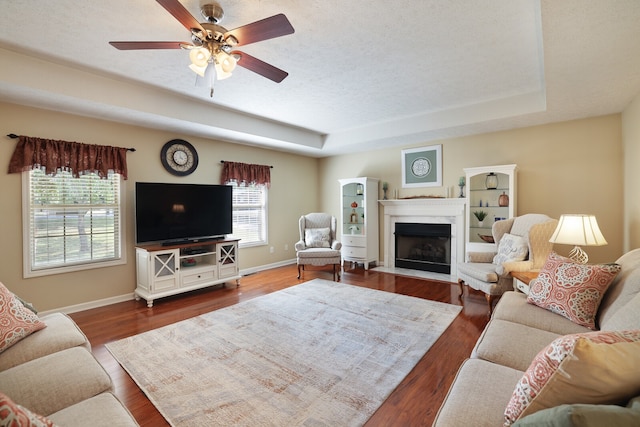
{"x":486,"y":238}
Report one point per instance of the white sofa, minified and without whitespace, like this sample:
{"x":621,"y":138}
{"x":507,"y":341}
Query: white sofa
{"x":53,"y":373}
{"x":516,"y":333}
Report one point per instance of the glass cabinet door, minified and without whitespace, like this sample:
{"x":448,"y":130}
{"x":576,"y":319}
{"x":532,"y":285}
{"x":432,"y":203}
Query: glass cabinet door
{"x":353,"y":208}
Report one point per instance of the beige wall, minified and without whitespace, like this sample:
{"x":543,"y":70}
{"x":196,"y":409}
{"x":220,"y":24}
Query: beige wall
{"x":292,"y":193}
{"x":574,"y":166}
{"x":568,"y":167}
{"x":631,"y":138}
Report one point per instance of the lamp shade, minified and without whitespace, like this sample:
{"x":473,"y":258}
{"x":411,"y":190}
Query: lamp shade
{"x":579,"y":230}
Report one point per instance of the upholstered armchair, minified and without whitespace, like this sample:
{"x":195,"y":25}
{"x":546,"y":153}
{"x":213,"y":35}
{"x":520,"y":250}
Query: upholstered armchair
{"x":318,"y":245}
{"x":522,"y":244}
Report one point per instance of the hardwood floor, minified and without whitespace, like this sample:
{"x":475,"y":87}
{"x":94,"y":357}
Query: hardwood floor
{"x":414,"y":402}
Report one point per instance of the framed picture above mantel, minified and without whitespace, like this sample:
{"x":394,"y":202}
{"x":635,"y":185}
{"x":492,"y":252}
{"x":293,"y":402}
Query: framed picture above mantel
{"x":422,"y":167}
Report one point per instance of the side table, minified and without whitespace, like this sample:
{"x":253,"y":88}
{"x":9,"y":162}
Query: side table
{"x":521,"y":280}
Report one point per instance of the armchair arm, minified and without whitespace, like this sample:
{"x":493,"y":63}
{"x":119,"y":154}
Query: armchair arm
{"x":336,"y":245}
{"x":300,"y":246}
{"x":508,"y":267}
{"x":486,"y":257}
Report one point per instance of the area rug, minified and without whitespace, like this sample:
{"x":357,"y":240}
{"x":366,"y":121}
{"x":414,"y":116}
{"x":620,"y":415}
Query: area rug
{"x":317,"y":354}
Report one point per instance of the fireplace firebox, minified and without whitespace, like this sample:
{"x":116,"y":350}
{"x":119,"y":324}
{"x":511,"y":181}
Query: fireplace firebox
{"x":421,"y":246}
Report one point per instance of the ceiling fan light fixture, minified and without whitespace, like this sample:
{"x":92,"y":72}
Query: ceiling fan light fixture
{"x":227,"y":62}
{"x":199,"y":57}
{"x":220,"y":73}
{"x":198,"y":70}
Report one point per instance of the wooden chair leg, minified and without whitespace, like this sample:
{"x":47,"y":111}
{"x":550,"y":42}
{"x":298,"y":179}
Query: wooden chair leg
{"x":461,"y":283}
{"x":490,"y":300}
{"x":299,"y":270}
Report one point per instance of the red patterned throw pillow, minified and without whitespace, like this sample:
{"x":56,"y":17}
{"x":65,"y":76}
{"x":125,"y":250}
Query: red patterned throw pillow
{"x":12,"y":414}
{"x":571,"y":289}
{"x":590,"y":368}
{"x":16,"y":321}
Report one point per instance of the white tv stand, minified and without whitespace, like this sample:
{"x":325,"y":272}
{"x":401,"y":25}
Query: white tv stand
{"x":162,"y":271}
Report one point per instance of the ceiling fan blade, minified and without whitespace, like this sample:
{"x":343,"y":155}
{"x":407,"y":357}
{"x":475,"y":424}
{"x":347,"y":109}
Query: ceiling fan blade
{"x":179,"y":12}
{"x":260,"y":67}
{"x":265,"y":29}
{"x":148,"y":45}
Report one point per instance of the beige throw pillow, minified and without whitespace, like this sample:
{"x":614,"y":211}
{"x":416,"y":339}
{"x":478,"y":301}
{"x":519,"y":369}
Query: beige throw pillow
{"x":511,"y":248}
{"x":317,"y":237}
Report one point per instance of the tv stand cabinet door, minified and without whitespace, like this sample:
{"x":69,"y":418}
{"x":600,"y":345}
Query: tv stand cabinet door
{"x":157,"y":270}
{"x":227,"y":259}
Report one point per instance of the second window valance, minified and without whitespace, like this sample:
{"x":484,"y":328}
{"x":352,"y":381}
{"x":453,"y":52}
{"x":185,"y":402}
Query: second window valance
{"x":245,"y":173}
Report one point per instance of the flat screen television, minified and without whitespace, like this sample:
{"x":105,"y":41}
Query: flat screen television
{"x":182,"y":213}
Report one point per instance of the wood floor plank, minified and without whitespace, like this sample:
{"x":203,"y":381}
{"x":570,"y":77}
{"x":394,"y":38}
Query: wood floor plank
{"x":414,"y":402}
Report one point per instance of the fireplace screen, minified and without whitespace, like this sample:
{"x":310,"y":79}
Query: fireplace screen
{"x":424,"y":247}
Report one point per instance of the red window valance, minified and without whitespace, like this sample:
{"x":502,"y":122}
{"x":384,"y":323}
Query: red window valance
{"x":76,"y":157}
{"x":244,"y":173}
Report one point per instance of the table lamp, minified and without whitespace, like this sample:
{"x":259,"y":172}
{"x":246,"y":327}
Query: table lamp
{"x":578,"y":230}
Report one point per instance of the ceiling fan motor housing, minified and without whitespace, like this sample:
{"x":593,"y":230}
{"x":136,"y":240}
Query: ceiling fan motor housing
{"x":212,"y":12}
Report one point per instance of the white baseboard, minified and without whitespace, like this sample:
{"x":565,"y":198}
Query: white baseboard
{"x":128,"y":297}
{"x":89,"y":305}
{"x":254,"y":270}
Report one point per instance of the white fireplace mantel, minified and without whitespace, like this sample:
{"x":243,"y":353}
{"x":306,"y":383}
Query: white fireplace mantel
{"x":425,"y":211}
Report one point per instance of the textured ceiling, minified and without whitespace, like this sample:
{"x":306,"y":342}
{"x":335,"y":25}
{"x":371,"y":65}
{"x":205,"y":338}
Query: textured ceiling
{"x":362,"y":74}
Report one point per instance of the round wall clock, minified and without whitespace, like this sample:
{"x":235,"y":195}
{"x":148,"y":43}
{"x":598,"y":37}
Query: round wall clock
{"x":179,"y":157}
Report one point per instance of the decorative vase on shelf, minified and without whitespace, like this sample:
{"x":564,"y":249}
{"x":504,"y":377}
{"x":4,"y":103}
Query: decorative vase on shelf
{"x":480,"y":224}
{"x":491,"y":182}
{"x":503,"y":200}
{"x":354,"y":205}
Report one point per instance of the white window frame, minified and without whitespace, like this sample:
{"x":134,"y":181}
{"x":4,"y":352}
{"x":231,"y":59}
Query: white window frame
{"x":29,"y":270}
{"x":263,"y":206}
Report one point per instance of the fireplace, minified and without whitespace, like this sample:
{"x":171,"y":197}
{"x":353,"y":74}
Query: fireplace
{"x":448,"y":213}
{"x":423,"y":246}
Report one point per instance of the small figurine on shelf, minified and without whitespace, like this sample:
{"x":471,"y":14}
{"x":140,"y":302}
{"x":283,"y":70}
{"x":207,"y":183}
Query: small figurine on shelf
{"x":385,"y":187}
{"x":461,"y":184}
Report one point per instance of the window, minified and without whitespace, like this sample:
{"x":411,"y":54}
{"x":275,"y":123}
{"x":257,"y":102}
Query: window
{"x":250,"y":214}
{"x":71,"y":223}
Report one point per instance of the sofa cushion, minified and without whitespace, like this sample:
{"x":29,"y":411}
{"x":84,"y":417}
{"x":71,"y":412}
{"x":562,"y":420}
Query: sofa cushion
{"x":317,"y":237}
{"x":571,"y":289}
{"x":61,"y":333}
{"x":582,"y":415}
{"x":594,"y":367}
{"x":16,"y":321}
{"x":56,"y":381}
{"x":513,"y":306}
{"x":624,"y":288}
{"x":626,"y":317}
{"x":12,"y":414}
{"x":496,"y":344}
{"x":103,"y":410}
{"x":478,"y":395}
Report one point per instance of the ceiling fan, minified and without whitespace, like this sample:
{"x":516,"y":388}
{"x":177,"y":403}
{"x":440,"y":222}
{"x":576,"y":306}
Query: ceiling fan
{"x":211,"y":50}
